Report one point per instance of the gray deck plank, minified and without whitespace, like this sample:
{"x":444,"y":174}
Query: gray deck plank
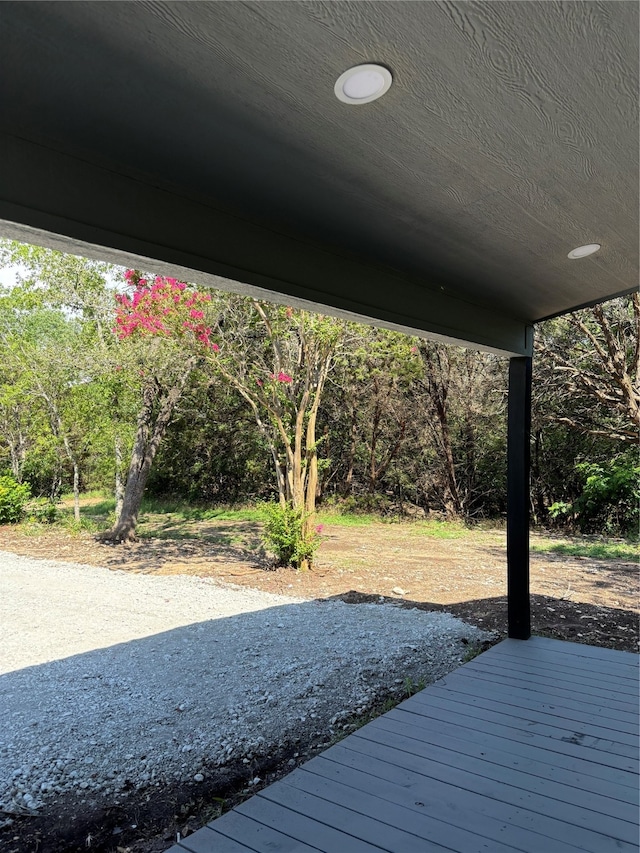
{"x":572,"y":709}
{"x":494,"y":724}
{"x":356,"y":823}
{"x":553,"y":727}
{"x":456,"y":690}
{"x":505,"y":772}
{"x":578,"y":679}
{"x":547,"y":686}
{"x":461,"y":809}
{"x":535,"y":762}
{"x":564,"y":647}
{"x":581,"y":667}
{"x":210,"y":841}
{"x":442,"y":836}
{"x":606,"y":670}
{"x":469,"y":800}
{"x":323,"y":836}
{"x":532,"y":746}
{"x":259,"y":837}
{"x":503,"y":790}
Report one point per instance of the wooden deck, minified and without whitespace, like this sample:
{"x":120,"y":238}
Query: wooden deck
{"x":533,"y":746}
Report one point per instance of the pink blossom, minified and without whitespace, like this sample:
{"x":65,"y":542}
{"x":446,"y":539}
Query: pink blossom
{"x":284,"y":377}
{"x":319,"y":528}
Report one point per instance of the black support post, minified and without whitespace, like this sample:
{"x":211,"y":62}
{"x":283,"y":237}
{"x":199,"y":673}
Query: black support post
{"x":518,"y":461}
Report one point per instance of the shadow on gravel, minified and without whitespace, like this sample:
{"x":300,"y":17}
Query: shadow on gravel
{"x":142,"y":703}
{"x":109,"y":721}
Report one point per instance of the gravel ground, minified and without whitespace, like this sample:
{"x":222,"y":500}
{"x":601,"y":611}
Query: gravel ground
{"x":113,"y":682}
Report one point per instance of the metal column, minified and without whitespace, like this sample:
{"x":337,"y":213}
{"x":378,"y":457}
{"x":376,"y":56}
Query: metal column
{"x":518,"y":463}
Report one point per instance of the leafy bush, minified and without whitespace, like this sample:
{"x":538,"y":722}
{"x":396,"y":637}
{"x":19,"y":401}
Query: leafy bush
{"x":284,"y":535}
{"x":41,"y":510}
{"x":13,"y":497}
{"x":610,"y":497}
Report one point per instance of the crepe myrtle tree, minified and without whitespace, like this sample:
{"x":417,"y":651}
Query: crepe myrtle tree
{"x":278,"y":359}
{"x":161,"y":323}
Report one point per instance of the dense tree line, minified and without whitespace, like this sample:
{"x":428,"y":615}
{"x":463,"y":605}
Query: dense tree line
{"x":114,"y":380}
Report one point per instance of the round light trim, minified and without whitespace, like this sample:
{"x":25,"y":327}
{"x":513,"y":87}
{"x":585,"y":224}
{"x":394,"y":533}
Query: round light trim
{"x":363,"y":84}
{"x":583,"y":251}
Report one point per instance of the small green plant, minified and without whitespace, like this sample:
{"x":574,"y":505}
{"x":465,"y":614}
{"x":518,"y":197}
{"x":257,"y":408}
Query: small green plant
{"x":286,"y":536}
{"x":41,"y":510}
{"x":76,"y":526}
{"x":472,"y":651}
{"x":560,"y":511}
{"x":13,"y":499}
{"x":411,"y":687}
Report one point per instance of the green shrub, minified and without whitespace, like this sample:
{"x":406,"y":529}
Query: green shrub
{"x":284,"y":535}
{"x":13,"y":497}
{"x":610,"y":497}
{"x":41,"y":510}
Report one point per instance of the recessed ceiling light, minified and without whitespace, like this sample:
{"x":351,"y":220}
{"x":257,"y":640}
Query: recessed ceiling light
{"x":583,"y":251}
{"x":362,"y":84}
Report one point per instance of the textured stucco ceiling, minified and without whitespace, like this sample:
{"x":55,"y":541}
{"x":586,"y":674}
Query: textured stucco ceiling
{"x":509,"y":136}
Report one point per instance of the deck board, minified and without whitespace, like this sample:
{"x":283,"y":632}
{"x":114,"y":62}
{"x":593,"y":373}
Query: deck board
{"x":531,"y":746}
{"x":597,"y":696}
{"x":620,"y":723}
{"x":529,"y":753}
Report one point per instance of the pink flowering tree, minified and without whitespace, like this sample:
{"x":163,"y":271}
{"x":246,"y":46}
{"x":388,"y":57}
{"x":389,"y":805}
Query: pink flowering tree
{"x":162,"y":326}
{"x":279,"y":359}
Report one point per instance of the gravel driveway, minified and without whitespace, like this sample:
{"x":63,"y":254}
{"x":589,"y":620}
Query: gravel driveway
{"x":113,"y":682}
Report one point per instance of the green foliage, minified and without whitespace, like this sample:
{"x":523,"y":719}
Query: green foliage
{"x":402,"y":422}
{"x":13,"y":499}
{"x":610,"y":497}
{"x":41,"y":511}
{"x":85,"y":524}
{"x":284,"y":535}
{"x":436,"y":529}
{"x":593,"y":550}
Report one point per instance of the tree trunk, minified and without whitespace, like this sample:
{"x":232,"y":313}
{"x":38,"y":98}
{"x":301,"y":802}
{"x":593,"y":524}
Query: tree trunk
{"x":76,"y":491}
{"x":453,"y":504}
{"x":149,"y":434}
{"x":119,"y":483}
{"x":76,"y":476}
{"x":352,"y":452}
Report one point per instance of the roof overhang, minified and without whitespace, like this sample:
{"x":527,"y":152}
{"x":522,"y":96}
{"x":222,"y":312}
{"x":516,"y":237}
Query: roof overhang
{"x":204,"y":139}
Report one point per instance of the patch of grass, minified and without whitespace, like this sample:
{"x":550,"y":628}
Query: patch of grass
{"x":440,"y":529}
{"x":181,"y":511}
{"x":86,"y":524}
{"x":92,"y":493}
{"x":594,"y":550}
{"x":349,"y":519}
{"x":105,"y":507}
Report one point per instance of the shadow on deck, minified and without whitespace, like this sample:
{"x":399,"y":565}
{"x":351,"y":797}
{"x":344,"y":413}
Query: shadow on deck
{"x":532,"y":746}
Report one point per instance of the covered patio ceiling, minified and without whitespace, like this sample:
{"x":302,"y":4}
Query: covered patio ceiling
{"x":206,"y":139}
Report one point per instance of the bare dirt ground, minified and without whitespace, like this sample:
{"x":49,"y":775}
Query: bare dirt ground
{"x":585,"y":600}
{"x":593,"y":601}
